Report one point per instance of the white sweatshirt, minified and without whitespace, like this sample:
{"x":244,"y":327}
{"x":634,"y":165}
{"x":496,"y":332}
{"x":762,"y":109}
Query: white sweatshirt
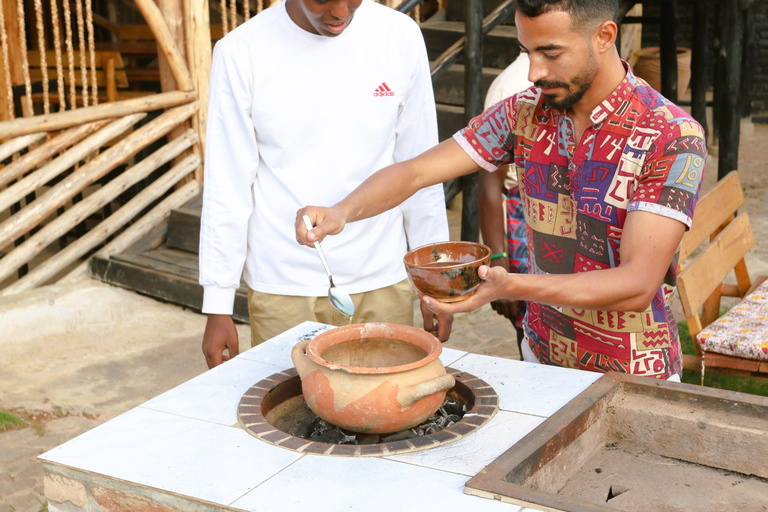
{"x":298,"y":119}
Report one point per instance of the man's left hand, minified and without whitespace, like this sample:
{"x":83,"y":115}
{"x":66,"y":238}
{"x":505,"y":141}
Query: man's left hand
{"x":439,"y":325}
{"x":494,"y":286}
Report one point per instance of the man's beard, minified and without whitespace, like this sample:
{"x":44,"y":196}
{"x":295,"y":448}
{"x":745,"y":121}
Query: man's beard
{"x":580,"y":85}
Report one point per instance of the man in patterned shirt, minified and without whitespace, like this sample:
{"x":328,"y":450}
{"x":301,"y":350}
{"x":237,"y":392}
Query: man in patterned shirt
{"x":609,"y":175}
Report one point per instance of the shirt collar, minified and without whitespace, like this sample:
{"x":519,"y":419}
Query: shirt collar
{"x":614,"y":100}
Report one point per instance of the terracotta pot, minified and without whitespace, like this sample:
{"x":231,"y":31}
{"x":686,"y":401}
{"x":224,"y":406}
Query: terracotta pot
{"x":372,"y":378}
{"x":447,"y":270}
{"x":648,"y":67}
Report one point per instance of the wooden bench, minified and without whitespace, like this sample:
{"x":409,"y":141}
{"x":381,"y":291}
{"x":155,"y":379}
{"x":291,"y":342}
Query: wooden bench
{"x":110,"y":73}
{"x":701,"y":283}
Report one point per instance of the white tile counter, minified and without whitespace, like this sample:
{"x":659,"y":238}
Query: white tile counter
{"x":184,"y":450}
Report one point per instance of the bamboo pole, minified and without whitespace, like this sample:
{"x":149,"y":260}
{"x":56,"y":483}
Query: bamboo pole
{"x":17,"y":144}
{"x":106,"y":228}
{"x":140,"y":228}
{"x":197,"y":29}
{"x":37,"y":211}
{"x":165,"y":42}
{"x":46,"y":173}
{"x":62,"y":120}
{"x":45,"y":151}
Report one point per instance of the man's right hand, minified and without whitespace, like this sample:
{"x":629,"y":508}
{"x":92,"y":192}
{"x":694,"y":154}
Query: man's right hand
{"x":326,"y":221}
{"x":220,"y":334}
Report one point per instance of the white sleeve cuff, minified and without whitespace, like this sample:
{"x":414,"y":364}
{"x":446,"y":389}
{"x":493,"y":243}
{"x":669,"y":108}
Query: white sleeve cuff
{"x":218,"y":301}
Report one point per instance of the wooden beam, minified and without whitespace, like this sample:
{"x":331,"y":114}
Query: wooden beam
{"x":699,"y":60}
{"x":165,"y":41}
{"x":104,"y":229}
{"x":69,"y":118}
{"x":35,"y":212}
{"x":66,"y":160}
{"x":173,"y":12}
{"x":668,"y":44}
{"x":198,"y":38}
{"x":45,"y":151}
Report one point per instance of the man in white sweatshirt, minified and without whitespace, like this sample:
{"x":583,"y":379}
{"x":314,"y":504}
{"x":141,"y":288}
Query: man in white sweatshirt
{"x":306,"y":101}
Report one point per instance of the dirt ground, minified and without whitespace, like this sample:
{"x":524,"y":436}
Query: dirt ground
{"x":76,"y":355}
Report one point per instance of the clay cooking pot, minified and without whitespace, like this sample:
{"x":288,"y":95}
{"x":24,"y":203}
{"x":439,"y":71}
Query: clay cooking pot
{"x":372,"y":378}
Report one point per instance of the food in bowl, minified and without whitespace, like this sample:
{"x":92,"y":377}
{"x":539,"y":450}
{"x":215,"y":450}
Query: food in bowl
{"x":447,"y":270}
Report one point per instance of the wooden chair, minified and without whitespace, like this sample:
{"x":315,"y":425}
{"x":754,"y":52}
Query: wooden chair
{"x":700,"y":283}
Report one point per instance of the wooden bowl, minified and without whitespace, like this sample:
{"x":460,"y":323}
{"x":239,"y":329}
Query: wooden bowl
{"x":447,"y":270}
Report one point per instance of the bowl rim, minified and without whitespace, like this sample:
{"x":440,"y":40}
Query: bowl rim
{"x":484,"y":247}
{"x":354,"y":332}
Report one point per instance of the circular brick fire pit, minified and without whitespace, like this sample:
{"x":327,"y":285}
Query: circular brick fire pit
{"x":268,"y":408}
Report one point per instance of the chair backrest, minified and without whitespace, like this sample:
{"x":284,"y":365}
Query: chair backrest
{"x":700,"y":283}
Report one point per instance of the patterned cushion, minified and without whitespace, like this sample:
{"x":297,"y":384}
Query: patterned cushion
{"x":743,"y":331}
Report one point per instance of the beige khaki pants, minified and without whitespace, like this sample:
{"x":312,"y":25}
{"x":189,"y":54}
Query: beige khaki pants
{"x":273,"y":314}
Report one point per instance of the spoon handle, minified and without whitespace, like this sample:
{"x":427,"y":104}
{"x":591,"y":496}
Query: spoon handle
{"x":308,"y":224}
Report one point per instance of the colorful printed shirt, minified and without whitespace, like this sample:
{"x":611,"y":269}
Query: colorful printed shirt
{"x":640,"y":152}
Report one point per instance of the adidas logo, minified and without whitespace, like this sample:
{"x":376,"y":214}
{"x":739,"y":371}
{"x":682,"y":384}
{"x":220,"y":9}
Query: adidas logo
{"x":383,"y":90}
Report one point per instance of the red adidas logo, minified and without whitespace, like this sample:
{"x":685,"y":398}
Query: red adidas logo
{"x":383,"y":90}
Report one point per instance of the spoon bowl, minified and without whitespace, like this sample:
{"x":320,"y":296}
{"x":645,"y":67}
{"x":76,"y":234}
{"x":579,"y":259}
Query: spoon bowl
{"x":339,"y":298}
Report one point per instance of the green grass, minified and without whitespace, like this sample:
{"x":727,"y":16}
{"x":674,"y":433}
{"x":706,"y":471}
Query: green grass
{"x":10,"y":421}
{"x":715,"y":380}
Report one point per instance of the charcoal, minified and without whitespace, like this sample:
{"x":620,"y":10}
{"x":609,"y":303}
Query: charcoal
{"x":400,"y":436}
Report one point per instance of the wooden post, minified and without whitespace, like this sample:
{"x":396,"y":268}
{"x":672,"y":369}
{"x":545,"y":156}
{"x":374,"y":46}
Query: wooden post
{"x":668,"y":43}
{"x":69,"y":118}
{"x":748,"y":59}
{"x":173,"y":12}
{"x":473,"y":105}
{"x":166,"y":43}
{"x":699,"y":59}
{"x":733,"y":34}
{"x":197,"y":30}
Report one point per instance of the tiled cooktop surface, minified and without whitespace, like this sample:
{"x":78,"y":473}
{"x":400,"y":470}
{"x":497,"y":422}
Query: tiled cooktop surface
{"x":187,"y":442}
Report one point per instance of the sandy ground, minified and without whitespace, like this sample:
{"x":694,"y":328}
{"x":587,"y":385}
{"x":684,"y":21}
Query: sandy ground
{"x":76,"y":355}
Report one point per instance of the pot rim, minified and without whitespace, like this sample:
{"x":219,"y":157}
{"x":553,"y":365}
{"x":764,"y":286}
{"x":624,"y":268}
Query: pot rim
{"x":355,"y":332}
{"x":486,"y":254}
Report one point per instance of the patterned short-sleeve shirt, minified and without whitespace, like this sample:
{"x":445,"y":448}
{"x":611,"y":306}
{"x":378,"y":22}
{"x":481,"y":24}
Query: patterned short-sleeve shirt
{"x":640,"y":152}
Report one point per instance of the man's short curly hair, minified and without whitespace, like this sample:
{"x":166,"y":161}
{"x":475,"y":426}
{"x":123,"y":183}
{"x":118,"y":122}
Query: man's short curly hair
{"x":586,"y":14}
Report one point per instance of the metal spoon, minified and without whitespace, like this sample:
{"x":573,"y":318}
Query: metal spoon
{"x":340,"y":299}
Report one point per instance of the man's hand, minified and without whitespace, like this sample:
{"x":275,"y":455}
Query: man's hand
{"x":494,"y":286}
{"x":505,"y":307}
{"x":326,"y":221}
{"x":437,"y":325}
{"x":220,"y":334}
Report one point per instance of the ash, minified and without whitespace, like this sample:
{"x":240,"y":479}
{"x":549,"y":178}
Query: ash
{"x":320,"y":430}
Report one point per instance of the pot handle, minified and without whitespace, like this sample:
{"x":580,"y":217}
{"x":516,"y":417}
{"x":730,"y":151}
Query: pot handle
{"x":301,"y":361}
{"x":429,"y":387}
